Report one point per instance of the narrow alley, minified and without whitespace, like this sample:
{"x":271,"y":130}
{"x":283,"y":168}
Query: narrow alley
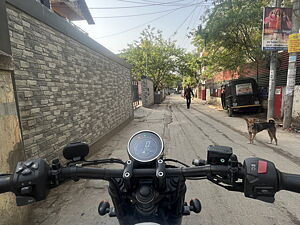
{"x":186,"y":133}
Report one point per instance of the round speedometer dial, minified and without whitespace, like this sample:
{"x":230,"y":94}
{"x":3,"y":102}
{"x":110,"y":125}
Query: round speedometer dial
{"x":145,"y":146}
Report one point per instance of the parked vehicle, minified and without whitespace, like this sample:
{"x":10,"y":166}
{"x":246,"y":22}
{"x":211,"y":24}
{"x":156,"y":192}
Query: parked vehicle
{"x":147,"y":188}
{"x":240,"y":94}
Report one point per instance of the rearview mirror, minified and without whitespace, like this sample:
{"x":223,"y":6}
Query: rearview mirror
{"x":76,"y":151}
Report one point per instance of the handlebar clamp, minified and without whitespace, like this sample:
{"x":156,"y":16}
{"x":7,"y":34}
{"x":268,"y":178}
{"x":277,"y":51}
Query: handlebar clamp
{"x":161,"y":173}
{"x":127,"y":173}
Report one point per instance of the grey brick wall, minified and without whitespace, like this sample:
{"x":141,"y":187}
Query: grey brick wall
{"x":66,"y":91}
{"x":147,"y":92}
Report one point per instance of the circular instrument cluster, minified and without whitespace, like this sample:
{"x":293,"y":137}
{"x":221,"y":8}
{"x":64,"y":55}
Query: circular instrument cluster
{"x":145,"y":146}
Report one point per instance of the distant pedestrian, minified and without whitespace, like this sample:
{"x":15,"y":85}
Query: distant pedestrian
{"x":188,"y":93}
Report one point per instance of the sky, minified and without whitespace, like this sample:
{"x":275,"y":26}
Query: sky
{"x":175,"y":18}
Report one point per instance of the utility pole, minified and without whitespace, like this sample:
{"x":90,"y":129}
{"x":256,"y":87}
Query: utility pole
{"x":291,"y":77}
{"x":146,"y":63}
{"x":272,"y":76}
{"x":272,"y":79}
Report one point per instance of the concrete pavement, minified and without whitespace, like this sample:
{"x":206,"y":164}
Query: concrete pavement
{"x":288,"y":142}
{"x":186,"y":134}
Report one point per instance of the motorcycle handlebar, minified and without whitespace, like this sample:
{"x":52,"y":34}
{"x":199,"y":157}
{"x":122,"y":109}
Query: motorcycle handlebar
{"x":103,"y":173}
{"x":90,"y":173}
{"x":290,"y":182}
{"x":5,"y":183}
{"x":263,"y":181}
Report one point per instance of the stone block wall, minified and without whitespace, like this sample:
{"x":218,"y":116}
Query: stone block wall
{"x":67,"y":91}
{"x":147,"y":92}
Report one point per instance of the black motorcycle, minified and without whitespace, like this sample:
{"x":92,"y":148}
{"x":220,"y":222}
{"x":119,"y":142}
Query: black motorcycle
{"x":148,"y":189}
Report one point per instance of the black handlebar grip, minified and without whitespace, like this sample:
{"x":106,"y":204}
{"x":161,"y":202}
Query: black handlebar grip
{"x":290,"y":182}
{"x":5,"y":183}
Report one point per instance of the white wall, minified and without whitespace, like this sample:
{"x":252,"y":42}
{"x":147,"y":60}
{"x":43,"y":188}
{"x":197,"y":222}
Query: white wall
{"x":213,"y":100}
{"x":208,"y":95}
{"x":147,"y":92}
{"x":296,"y":103}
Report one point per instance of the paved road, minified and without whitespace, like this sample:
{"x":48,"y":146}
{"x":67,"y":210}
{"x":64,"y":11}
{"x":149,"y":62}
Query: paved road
{"x":186,"y":133}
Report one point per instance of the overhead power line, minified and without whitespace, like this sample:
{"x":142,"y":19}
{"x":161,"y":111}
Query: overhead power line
{"x":132,"y":2}
{"x":178,"y":28}
{"x":136,"y":6}
{"x":132,"y":15}
{"x":145,"y":3}
{"x":184,"y":39}
{"x":191,"y":27}
{"x":150,"y":1}
{"x":135,"y":27}
{"x":141,"y":14}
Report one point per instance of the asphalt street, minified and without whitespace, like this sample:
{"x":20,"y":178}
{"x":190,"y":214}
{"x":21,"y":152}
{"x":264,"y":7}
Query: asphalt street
{"x":186,"y":133}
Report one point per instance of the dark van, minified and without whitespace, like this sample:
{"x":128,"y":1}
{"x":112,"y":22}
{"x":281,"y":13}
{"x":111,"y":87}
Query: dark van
{"x":240,"y":94}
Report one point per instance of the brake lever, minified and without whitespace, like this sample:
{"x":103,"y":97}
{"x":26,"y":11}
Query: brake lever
{"x":238,"y":187}
{"x":234,"y":168}
{"x":235,"y":186}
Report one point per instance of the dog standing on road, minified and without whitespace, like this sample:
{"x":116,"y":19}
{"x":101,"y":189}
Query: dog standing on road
{"x":255,"y":127}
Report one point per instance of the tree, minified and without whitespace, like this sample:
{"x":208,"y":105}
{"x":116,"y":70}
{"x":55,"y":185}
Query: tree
{"x":232,"y":34}
{"x":153,"y":57}
{"x":189,"y":67}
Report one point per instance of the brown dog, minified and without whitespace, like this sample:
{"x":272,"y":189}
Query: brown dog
{"x":255,"y":127}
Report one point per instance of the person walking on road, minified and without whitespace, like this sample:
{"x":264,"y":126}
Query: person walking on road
{"x":188,"y":93}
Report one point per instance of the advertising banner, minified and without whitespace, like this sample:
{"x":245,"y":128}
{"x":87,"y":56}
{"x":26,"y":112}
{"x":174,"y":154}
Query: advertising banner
{"x":294,"y":43}
{"x":277,"y":26}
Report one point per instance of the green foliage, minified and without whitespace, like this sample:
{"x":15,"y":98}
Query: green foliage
{"x":188,"y":80}
{"x":172,"y":80}
{"x":153,"y":57}
{"x":189,"y":67}
{"x":232,"y":34}
{"x":288,"y":3}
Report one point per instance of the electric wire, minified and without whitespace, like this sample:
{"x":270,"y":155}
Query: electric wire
{"x":132,"y":2}
{"x":193,"y":26}
{"x":146,"y":3}
{"x":188,"y":27}
{"x":199,"y":16}
{"x":133,"y":15}
{"x":150,"y":1}
{"x":96,"y":162}
{"x":180,"y":25}
{"x":190,"y":21}
{"x":136,"y":6}
{"x":176,"y":161}
{"x":135,"y":27}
